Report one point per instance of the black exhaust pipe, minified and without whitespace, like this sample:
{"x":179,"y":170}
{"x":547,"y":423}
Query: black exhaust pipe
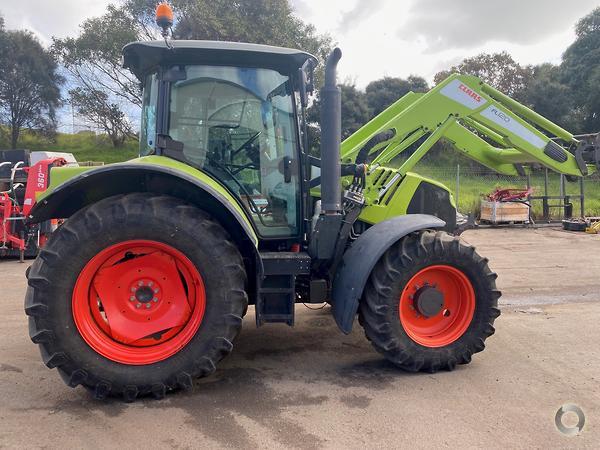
{"x":331,"y":137}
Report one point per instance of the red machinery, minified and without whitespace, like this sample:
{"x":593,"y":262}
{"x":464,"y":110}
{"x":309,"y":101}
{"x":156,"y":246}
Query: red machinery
{"x":17,"y":196}
{"x":509,"y":195}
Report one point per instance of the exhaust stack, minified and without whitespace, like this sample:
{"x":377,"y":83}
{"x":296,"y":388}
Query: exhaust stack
{"x":331,"y":137}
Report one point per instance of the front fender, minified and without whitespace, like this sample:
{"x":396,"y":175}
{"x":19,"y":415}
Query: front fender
{"x":360,"y":259}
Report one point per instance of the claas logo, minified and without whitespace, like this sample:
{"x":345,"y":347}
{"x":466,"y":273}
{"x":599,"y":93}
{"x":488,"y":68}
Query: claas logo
{"x":470,"y":93}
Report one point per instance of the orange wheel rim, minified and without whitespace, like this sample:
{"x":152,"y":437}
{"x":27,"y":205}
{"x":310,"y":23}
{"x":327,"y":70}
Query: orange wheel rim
{"x":138,"y":302}
{"x":437,"y":305}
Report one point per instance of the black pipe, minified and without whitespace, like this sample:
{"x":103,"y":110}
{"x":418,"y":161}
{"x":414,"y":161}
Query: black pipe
{"x":331,"y":137}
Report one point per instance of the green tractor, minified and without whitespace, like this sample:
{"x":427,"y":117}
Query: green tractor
{"x":144,"y":286}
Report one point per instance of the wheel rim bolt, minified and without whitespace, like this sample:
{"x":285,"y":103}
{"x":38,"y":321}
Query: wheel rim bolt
{"x":150,"y":283}
{"x":147,"y":305}
{"x":155,"y":299}
{"x":138,"y":305}
{"x":140,"y":283}
{"x":132,"y":298}
{"x":156,"y":291}
{"x":132,"y":289}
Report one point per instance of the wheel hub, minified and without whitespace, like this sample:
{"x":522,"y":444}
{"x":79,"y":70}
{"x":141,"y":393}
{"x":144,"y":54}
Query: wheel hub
{"x":144,"y":294}
{"x":437,"y":305}
{"x":428,"y":301}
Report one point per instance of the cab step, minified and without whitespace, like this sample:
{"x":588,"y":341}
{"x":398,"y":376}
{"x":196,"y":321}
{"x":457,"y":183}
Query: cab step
{"x":277,"y":289}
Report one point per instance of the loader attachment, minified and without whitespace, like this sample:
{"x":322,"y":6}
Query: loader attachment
{"x":481,"y":122}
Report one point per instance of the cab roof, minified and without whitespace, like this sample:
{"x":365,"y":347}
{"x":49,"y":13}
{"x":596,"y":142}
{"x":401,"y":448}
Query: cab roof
{"x":143,"y":57}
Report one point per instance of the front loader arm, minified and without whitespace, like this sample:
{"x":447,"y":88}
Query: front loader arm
{"x":480,"y":121}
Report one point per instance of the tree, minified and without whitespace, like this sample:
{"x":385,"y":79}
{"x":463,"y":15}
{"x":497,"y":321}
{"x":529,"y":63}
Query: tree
{"x":96,"y":107}
{"x":93,"y":58}
{"x":548,"y":96}
{"x":355,"y":109}
{"x":355,"y":113}
{"x":29,"y":84}
{"x":382,"y":93}
{"x":499,"y":70}
{"x":581,"y":70}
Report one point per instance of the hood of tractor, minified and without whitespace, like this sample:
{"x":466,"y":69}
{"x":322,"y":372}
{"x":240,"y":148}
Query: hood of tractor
{"x":142,"y":57}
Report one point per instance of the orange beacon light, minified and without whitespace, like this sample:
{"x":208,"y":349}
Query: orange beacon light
{"x":164,"y":17}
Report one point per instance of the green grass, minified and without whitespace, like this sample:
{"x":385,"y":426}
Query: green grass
{"x":474,"y":185}
{"x":85,"y":146}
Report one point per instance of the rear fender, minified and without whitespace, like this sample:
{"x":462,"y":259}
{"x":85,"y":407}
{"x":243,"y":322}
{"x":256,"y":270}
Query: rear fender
{"x":360,"y":259}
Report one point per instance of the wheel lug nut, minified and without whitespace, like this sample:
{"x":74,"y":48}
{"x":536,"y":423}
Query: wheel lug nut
{"x":140,"y":283}
{"x":155,"y":299}
{"x":138,"y":305}
{"x":150,"y":283}
{"x":156,"y":291}
{"x":147,"y":305}
{"x":132,"y":298}
{"x":132,"y":289}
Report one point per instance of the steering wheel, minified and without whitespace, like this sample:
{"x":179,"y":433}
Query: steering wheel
{"x":248,"y":142}
{"x":235,"y":169}
{"x":253,"y":206}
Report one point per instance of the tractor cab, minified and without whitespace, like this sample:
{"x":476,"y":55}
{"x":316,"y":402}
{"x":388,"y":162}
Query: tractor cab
{"x":233,"y":111}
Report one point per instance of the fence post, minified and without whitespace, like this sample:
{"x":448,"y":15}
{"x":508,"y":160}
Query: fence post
{"x":529,"y":195}
{"x":581,"y":197}
{"x":457,"y":185}
{"x":545,"y":207}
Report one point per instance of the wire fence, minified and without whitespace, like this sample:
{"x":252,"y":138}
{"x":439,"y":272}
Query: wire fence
{"x":551,"y":192}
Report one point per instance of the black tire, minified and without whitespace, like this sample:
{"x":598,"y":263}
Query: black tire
{"x":379,"y":307}
{"x":135,"y":216}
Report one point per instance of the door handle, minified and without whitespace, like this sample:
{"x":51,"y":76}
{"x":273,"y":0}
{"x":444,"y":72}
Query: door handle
{"x":287,"y":169}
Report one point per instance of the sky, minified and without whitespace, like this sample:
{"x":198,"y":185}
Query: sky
{"x":382,"y":37}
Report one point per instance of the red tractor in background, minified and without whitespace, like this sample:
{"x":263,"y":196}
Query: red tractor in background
{"x":22,"y":176}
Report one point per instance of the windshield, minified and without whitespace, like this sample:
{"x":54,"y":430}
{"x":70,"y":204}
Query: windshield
{"x":239,"y":125}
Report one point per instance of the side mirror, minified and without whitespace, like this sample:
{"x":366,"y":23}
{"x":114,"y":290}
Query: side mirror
{"x":303,"y":90}
{"x":306,"y":75}
{"x":310,"y":76}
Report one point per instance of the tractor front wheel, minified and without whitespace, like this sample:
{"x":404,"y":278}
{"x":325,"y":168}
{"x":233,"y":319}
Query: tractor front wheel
{"x":135,"y":295}
{"x":430,"y":303}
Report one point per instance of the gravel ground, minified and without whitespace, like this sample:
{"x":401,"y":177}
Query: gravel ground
{"x":312,"y":387}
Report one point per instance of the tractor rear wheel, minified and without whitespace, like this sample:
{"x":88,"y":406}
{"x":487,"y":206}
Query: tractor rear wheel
{"x":136,"y":294}
{"x":430,"y":303}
